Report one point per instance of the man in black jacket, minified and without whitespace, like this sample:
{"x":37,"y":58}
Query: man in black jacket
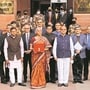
{"x":3,"y":80}
{"x":50,"y":36}
{"x":27,"y":55}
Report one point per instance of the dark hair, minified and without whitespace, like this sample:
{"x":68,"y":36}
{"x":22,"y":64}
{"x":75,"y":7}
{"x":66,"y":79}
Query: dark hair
{"x":25,"y":24}
{"x":49,"y":26}
{"x":18,"y":12}
{"x":12,"y":28}
{"x":14,"y":22}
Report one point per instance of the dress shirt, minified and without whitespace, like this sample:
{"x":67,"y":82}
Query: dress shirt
{"x":88,"y":41}
{"x":27,"y":40}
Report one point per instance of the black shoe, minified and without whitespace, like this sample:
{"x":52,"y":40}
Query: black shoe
{"x":85,"y":79}
{"x":80,"y":82}
{"x":60,"y":85}
{"x":75,"y":81}
{"x":25,"y":81}
{"x":52,"y":81}
{"x":12,"y":84}
{"x":4,"y":82}
{"x":7,"y":80}
{"x":47,"y":81}
{"x":21,"y":84}
{"x":66,"y":85}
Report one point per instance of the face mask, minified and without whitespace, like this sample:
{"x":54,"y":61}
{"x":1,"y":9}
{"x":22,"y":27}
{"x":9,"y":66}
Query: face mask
{"x":56,"y":11}
{"x":38,"y":12}
{"x":25,"y":13}
{"x":62,"y":12}
{"x":70,"y":10}
{"x":49,"y":10}
{"x":73,"y":22}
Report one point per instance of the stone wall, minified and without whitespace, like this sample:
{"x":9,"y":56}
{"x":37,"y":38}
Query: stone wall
{"x":7,"y":18}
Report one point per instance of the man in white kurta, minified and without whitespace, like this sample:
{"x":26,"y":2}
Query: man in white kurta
{"x":63,"y":51}
{"x":14,"y":52}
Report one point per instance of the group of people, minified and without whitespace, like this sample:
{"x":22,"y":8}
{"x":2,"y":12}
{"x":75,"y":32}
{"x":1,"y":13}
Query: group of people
{"x":47,"y":47}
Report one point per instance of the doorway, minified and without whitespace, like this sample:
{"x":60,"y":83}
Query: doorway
{"x":34,"y":7}
{"x":39,"y":4}
{"x":44,"y":7}
{"x":58,"y":5}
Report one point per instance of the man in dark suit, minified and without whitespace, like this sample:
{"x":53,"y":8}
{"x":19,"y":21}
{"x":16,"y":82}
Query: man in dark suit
{"x":63,"y":16}
{"x":49,"y":16}
{"x":69,"y":18}
{"x":86,"y":62}
{"x":51,"y":36}
{"x":2,"y":59}
{"x":27,"y":56}
{"x":56,"y":17}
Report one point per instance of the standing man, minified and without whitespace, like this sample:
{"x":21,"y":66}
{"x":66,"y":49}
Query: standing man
{"x":2,"y":59}
{"x":49,"y":16}
{"x":80,"y":42}
{"x":63,"y":16}
{"x":50,"y":36}
{"x":27,"y":56}
{"x":63,"y":52}
{"x":56,"y":32}
{"x":86,"y":63}
{"x":69,"y":18}
{"x":39,"y":24}
{"x":25,"y":18}
{"x":56,"y":17}
{"x":14,"y":52}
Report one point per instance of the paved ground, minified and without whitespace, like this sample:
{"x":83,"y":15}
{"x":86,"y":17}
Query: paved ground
{"x":85,"y":86}
{"x":49,"y":86}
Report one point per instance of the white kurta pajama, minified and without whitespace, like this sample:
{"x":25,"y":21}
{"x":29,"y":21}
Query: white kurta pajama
{"x":14,"y":63}
{"x":63,"y":63}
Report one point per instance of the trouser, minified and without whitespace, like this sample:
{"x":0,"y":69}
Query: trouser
{"x":52,"y":69}
{"x":77,"y":68}
{"x":63,"y":70}
{"x":86,"y":64}
{"x":50,"y":75}
{"x":2,"y":71}
{"x":26,"y":61}
{"x":17,"y":66}
{"x":7,"y":74}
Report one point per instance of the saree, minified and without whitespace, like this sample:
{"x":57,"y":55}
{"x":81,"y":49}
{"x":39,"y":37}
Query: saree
{"x":39,"y":61}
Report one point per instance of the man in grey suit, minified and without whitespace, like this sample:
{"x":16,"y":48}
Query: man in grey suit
{"x":80,"y":55}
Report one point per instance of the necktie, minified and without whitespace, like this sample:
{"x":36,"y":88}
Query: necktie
{"x":88,"y":41}
{"x":78,"y":38}
{"x":50,"y":16}
{"x":27,"y":40}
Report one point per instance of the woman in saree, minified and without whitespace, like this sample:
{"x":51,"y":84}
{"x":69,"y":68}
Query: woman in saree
{"x":39,"y":47}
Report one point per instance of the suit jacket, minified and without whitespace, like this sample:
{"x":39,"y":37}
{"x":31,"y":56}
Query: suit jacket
{"x":31,"y":34}
{"x":63,"y":18}
{"x":47,"y":18}
{"x":83,"y":43}
{"x":2,"y":37}
{"x":56,"y":19}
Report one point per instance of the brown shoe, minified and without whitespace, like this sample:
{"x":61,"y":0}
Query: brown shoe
{"x":60,"y":85}
{"x":66,"y":85}
{"x":12,"y":84}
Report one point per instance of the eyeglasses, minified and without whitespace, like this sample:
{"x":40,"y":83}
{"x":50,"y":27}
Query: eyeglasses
{"x":63,"y":29}
{"x":39,"y":22}
{"x":26,"y":28}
